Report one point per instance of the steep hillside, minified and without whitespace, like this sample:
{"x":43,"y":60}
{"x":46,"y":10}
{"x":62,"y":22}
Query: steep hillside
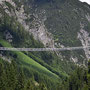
{"x":60,"y":23}
{"x":15,"y":25}
{"x":45,"y":23}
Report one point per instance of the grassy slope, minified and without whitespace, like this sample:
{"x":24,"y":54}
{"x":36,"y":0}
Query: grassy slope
{"x":29,"y":62}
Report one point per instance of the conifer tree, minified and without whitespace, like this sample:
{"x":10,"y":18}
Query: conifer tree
{"x":21,"y":81}
{"x":3,"y":83}
{"x":88,"y":76}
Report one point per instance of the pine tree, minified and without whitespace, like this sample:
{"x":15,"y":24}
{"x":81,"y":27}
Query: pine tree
{"x":11,"y":77}
{"x":43,"y":87}
{"x":88,"y":76}
{"x":89,"y":66}
{"x":30,"y":85}
{"x":3,"y":84}
{"x":21,"y":81}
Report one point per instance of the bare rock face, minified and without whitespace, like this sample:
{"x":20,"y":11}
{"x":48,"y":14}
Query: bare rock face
{"x":39,"y":30}
{"x":5,"y":58}
{"x":88,"y":17}
{"x":8,"y":36}
{"x":84,"y":37}
{"x":10,"y":1}
{"x":40,"y":33}
{"x":74,"y":59}
{"x":1,"y":1}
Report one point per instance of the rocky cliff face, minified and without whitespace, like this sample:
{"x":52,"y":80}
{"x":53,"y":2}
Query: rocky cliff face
{"x":56,"y":24}
{"x":38,"y":28}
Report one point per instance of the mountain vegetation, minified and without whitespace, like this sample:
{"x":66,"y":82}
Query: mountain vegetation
{"x":40,"y":24}
{"x":13,"y":78}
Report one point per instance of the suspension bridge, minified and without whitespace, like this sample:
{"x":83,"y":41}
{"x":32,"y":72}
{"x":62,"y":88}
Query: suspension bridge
{"x":44,"y":49}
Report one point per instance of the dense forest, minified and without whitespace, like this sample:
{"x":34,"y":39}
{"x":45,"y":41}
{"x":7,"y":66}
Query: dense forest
{"x":13,"y":78}
{"x":79,"y":80}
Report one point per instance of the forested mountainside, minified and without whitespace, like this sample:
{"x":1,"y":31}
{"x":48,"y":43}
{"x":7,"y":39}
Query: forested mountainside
{"x":38,"y":24}
{"x":10,"y":79}
{"x":60,"y":23}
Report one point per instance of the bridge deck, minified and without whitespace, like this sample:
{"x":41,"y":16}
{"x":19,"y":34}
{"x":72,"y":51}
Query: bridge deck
{"x":43,"y":49}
